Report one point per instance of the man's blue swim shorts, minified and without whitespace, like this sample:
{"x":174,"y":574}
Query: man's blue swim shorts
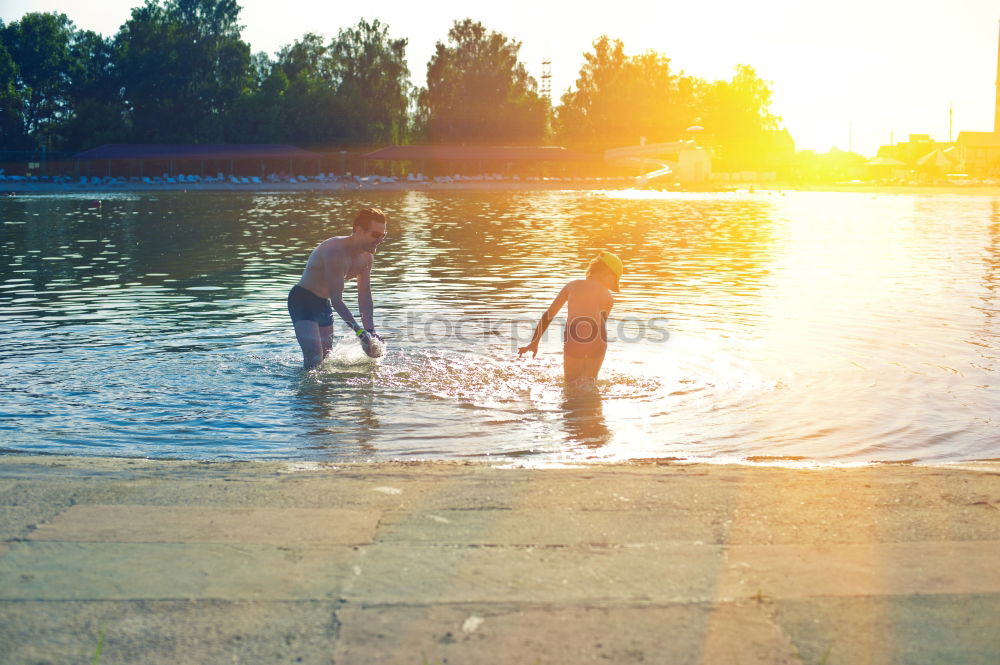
{"x":304,"y":305}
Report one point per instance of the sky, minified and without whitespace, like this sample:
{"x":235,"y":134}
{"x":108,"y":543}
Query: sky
{"x":853,"y":74}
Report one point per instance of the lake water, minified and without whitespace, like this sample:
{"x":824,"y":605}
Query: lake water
{"x":837,"y":328}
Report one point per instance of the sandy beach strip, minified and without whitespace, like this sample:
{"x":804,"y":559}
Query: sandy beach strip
{"x":454,"y":562}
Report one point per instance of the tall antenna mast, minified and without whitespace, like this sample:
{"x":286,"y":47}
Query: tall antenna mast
{"x":547,"y":79}
{"x":996,"y":107}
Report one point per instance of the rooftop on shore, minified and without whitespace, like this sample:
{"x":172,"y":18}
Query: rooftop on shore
{"x":472,"y":153}
{"x":195,"y":151}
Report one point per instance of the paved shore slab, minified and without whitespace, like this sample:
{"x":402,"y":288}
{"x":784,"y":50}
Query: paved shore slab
{"x":202,"y":524}
{"x":877,"y":569}
{"x":121,"y":571}
{"x":429,"y":563}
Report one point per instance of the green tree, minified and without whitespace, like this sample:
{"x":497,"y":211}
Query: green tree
{"x":305,"y":57}
{"x":259,"y":115}
{"x":39,"y":46}
{"x":478,"y":90}
{"x":260,"y":69}
{"x":373,"y":84}
{"x":182,"y":65}
{"x":619,"y":98}
{"x":312,"y":109}
{"x":739,"y":125}
{"x":98,"y":111}
{"x":12,"y":134}
{"x":353,"y":89}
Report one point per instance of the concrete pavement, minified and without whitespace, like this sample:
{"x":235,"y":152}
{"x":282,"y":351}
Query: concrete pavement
{"x":426,"y":563}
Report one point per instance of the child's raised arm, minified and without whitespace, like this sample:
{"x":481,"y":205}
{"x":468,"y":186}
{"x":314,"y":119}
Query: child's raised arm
{"x":547,"y":317}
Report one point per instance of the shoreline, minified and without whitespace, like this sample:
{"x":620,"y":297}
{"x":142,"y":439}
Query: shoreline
{"x":921,"y":190}
{"x":577,"y":184}
{"x":795,"y":462}
{"x":265,"y":187}
{"x":10,"y":457}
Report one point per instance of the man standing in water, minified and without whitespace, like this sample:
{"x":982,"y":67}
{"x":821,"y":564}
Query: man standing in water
{"x":320,"y":291}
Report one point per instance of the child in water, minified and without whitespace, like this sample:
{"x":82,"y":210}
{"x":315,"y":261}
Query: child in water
{"x":590,"y":302}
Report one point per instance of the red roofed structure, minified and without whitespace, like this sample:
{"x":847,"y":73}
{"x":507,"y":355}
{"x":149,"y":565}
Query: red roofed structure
{"x":450,"y":159}
{"x":194,"y":151}
{"x":229,"y":158}
{"x":442,"y":153}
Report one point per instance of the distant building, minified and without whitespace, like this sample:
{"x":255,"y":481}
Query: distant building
{"x":919,"y":158}
{"x":684,"y":161}
{"x":917,"y":148}
{"x":979,"y":153}
{"x":470,"y":159}
{"x":976,"y":154}
{"x":144,"y":160}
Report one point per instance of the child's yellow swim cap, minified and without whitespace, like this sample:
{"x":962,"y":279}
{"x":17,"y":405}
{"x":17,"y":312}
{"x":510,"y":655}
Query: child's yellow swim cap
{"x":612,"y":261}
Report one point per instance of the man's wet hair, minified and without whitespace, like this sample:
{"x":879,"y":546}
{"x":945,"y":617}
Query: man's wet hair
{"x":366,"y":216}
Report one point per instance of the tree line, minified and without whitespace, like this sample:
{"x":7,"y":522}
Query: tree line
{"x":178,"y":71}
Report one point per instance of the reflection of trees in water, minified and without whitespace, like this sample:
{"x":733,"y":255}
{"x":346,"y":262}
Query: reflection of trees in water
{"x":190,"y":237}
{"x":992,"y":253}
{"x":461,"y":238}
{"x":479,"y":245}
{"x":183,"y":235}
{"x":986,"y":345}
{"x":230,"y":243}
{"x":468,"y":248}
{"x":411,"y":226}
{"x":701,"y":247}
{"x":50,"y":228}
{"x":278,"y":231}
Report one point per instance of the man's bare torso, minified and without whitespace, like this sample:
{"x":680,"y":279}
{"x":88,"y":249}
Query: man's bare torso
{"x":328,"y":255}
